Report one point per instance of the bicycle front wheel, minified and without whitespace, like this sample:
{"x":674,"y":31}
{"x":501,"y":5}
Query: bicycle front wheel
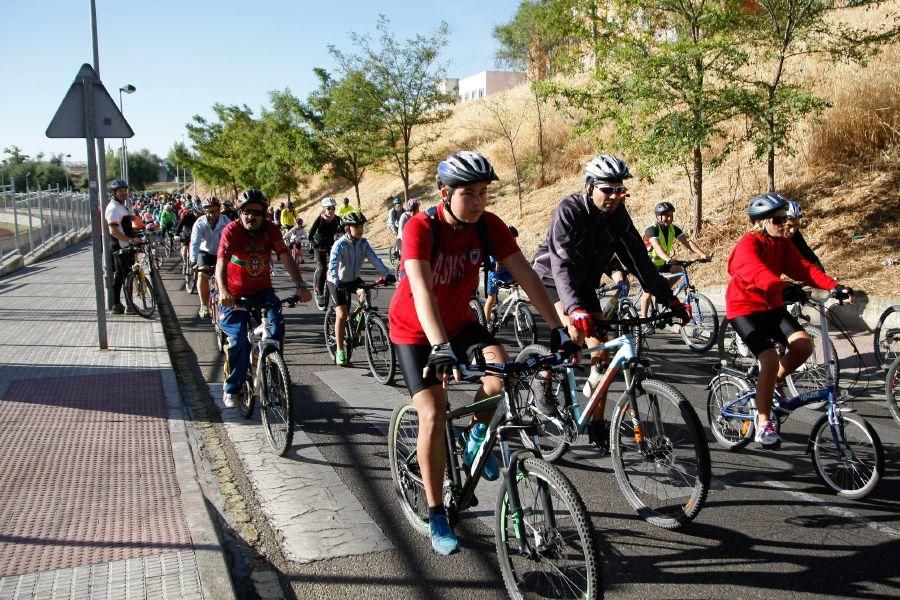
{"x":887,"y":337}
{"x":547,"y":550}
{"x":554,"y":433}
{"x":139,"y":294}
{"x":190,"y":281}
{"x":702,"y":332}
{"x":892,"y":389}
{"x":379,"y":350}
{"x":660,"y":455}
{"x":402,"y":436}
{"x":848,"y":459}
{"x":477,"y":309}
{"x":524,"y":325}
{"x":813,"y":374}
{"x":277,"y":408}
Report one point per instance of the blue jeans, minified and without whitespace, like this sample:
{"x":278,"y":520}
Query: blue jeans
{"x":234,"y":323}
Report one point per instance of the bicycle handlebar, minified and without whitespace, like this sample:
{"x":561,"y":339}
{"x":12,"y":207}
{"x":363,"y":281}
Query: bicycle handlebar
{"x":534,"y":364}
{"x":245,"y":303}
{"x":603,"y":325}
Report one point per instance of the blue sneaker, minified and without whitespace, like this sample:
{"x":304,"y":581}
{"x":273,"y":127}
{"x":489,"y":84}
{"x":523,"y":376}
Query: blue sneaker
{"x":442,"y":538}
{"x":476,"y":437}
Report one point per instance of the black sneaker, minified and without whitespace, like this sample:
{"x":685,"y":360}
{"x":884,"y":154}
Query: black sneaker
{"x":118,"y":308}
{"x":542,"y":395}
{"x":598,"y":436}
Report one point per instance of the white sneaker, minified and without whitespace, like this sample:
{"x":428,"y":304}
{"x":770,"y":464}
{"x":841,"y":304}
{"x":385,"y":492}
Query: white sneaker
{"x":767,"y":436}
{"x":231,"y":400}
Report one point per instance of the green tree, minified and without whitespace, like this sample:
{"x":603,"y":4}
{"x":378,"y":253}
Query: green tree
{"x":406,"y":78}
{"x":15,"y":155}
{"x":784,"y":31}
{"x":143,"y":168}
{"x":41,"y":174}
{"x":665,"y":72}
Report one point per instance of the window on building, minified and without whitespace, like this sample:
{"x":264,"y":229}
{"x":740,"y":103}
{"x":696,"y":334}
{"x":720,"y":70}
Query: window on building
{"x":481,"y":93}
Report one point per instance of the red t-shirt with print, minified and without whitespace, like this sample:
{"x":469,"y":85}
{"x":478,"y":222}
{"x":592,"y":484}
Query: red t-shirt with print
{"x":454,"y":273}
{"x":249,"y":257}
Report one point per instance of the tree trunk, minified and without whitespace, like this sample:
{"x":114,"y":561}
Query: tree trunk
{"x":512,"y":151}
{"x":698,"y":189}
{"x":770,"y":170}
{"x":356,"y":189}
{"x":540,"y":123}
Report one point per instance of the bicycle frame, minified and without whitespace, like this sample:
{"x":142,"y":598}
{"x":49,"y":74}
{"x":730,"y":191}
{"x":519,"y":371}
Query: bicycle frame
{"x":259,"y":338}
{"x":505,"y":308}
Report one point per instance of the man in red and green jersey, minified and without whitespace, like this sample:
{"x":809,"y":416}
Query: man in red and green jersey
{"x":242,"y":272}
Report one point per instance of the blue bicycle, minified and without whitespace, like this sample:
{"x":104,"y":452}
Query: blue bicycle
{"x":846,"y":451}
{"x":702,"y":332}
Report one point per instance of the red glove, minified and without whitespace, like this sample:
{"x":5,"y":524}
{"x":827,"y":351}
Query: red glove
{"x":583,"y":321}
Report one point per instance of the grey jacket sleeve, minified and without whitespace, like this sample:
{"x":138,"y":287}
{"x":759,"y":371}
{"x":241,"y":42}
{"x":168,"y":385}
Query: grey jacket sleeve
{"x":562,"y":238}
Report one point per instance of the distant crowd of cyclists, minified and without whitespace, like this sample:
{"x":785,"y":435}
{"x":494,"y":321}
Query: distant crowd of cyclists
{"x":442,"y":250}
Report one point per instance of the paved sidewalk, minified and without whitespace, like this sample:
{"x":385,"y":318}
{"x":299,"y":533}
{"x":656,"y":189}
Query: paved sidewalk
{"x":99,"y":496}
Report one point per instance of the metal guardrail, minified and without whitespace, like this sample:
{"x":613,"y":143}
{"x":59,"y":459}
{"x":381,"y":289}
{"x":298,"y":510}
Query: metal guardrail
{"x":30,"y":220}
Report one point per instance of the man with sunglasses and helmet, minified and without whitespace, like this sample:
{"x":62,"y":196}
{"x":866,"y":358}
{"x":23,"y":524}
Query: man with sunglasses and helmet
{"x":586,"y":231}
{"x":242,"y":271}
{"x":321,"y":238}
{"x":432,"y":326}
{"x":755,"y":301}
{"x":205,"y":236}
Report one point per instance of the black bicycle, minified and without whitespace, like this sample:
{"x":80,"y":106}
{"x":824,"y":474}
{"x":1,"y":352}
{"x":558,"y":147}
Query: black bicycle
{"x":364,"y":327}
{"x":542,"y":531}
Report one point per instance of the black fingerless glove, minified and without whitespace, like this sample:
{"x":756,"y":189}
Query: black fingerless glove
{"x":561,"y":342}
{"x":794,"y":293}
{"x":842,"y":292}
{"x":442,"y":359}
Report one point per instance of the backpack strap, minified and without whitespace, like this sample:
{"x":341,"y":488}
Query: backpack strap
{"x":480,"y":230}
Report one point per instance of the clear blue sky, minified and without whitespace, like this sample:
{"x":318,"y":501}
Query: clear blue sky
{"x":182,"y":56}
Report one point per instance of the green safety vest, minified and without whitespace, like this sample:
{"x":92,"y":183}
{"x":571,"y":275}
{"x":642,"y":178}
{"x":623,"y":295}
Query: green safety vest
{"x":667,"y":241}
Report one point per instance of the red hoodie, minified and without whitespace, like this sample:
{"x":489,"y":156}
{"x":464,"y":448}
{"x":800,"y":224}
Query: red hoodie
{"x":756,"y":264}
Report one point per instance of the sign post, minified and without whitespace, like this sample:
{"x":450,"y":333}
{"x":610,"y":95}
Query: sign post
{"x":89,"y":112}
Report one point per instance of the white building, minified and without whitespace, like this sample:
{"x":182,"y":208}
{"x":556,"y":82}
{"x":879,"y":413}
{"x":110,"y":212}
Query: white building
{"x":482,"y":85}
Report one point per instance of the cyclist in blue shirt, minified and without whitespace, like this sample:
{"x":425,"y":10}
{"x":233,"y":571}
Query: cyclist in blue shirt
{"x":496,"y":274}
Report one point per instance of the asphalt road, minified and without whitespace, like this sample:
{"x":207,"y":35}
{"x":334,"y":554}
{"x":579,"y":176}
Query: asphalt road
{"x":769,"y":527}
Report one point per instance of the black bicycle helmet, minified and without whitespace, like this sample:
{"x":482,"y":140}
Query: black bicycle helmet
{"x":353,"y":219}
{"x":765,"y":205}
{"x":252,"y":196}
{"x":605,"y":168}
{"x":463,"y":168}
{"x":116,"y":184}
{"x":664,"y":207}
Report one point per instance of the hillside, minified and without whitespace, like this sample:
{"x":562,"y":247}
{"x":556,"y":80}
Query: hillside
{"x":845,"y":173}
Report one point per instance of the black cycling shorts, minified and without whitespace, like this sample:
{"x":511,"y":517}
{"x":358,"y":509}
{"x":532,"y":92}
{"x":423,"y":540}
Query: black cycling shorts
{"x":762,"y":330}
{"x":341,"y":295}
{"x":413,"y":357}
{"x":587,"y":296}
{"x":204,"y":259}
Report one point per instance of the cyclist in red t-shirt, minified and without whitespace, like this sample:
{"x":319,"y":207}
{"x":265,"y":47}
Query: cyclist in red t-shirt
{"x":242,"y":271}
{"x":432,"y":326}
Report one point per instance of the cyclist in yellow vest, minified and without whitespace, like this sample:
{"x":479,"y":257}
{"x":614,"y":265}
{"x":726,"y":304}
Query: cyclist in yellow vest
{"x":288,"y":217}
{"x":660,"y":241}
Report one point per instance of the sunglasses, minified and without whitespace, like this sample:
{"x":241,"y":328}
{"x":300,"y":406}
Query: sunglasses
{"x":778,"y":220}
{"x":329,"y":208}
{"x":609,"y":190}
{"x":252,"y":213}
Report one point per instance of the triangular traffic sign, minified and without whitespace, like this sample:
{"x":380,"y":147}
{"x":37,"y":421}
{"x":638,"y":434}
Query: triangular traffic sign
{"x":69,"y":119}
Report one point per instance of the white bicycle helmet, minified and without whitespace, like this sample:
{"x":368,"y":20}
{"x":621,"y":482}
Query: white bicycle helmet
{"x":793,"y":210}
{"x":605,"y":168}
{"x":329,"y":202}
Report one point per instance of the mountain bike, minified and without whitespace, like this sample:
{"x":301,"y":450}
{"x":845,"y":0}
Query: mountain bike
{"x":701,"y":333}
{"x":140,"y":295}
{"x":811,"y":376}
{"x":887,"y":336}
{"x":514,"y":308}
{"x":213,"y":305}
{"x":659,"y":451}
{"x":364,"y":326}
{"x":892,"y":389}
{"x":394,"y":257}
{"x":847,"y":454}
{"x":268,"y":379}
{"x":542,"y":530}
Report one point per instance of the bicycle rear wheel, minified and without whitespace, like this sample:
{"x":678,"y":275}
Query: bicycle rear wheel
{"x":853,"y":470}
{"x":330,"y":340}
{"x":324,"y":291}
{"x":732,"y":432}
{"x":524,"y":325}
{"x":702,"y":332}
{"x":667,"y":481}
{"x":887,"y":336}
{"x":402,"y":436}
{"x":139,"y":294}
{"x":379,"y":350}
{"x":561,"y":560}
{"x":276,"y":408}
{"x":892,"y":389}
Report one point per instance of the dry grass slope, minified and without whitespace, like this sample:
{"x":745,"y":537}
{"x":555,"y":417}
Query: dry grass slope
{"x":846,"y":172}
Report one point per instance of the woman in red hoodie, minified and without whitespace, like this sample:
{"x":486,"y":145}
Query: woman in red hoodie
{"x":755,"y":299}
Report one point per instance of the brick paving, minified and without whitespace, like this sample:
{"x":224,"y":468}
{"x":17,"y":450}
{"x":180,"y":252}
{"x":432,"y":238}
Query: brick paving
{"x":92,"y":498}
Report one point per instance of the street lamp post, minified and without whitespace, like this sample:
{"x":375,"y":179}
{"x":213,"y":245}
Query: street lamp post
{"x":123,"y":164}
{"x":66,"y":169}
{"x":27,"y":175}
